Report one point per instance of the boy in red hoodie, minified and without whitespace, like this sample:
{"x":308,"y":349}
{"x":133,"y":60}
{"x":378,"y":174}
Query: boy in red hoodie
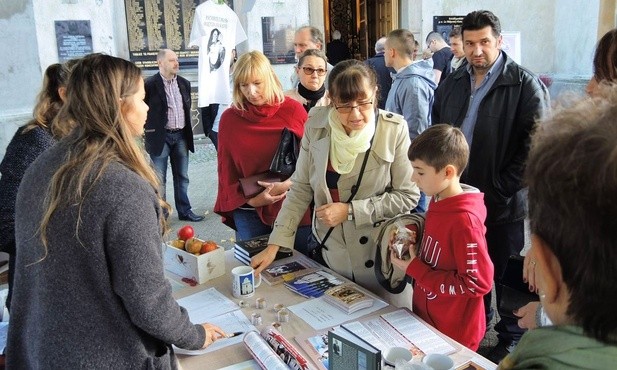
{"x":452,"y":269}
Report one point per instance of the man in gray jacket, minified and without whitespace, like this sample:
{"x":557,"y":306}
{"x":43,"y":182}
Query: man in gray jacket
{"x":412,"y":92}
{"x":413,"y":89}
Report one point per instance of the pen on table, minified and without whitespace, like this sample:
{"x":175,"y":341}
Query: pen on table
{"x":231,"y":335}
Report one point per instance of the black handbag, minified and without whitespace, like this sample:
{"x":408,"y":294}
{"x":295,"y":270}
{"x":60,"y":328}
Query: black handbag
{"x":286,"y":155}
{"x":514,"y":291}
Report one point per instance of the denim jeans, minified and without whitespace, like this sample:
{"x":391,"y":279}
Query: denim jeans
{"x":249,"y":225}
{"x":177,"y":152}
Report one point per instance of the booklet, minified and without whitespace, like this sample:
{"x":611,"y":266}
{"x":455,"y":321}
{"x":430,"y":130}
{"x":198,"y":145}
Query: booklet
{"x":316,"y":347}
{"x":348,"y":297}
{"x":348,"y":351}
{"x":273,"y":351}
{"x":244,"y":250}
{"x":251,"y":247}
{"x":287,"y":270}
{"x":314,"y":284}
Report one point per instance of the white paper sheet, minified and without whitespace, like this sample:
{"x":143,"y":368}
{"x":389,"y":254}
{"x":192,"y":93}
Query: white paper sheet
{"x":204,"y":305}
{"x":418,"y":333}
{"x":230,"y":322}
{"x":321,"y":315}
{"x":378,"y":333}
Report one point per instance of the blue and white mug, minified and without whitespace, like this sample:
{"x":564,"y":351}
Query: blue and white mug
{"x":244,"y":281}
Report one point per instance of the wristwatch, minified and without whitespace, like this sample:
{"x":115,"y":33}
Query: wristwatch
{"x":350,"y":212}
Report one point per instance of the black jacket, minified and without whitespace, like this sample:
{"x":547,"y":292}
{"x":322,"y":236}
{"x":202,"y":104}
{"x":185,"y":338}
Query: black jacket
{"x":501,"y":136}
{"x":157,"y":114}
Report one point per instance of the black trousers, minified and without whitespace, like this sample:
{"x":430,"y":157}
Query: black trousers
{"x":503,"y":241}
{"x":208,"y":115}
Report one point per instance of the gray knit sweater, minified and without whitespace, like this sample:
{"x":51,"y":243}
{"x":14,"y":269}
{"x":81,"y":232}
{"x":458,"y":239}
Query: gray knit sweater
{"x":103,"y":303}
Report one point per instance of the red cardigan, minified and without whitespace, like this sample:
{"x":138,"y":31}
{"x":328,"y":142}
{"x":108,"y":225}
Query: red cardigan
{"x":247,"y":142}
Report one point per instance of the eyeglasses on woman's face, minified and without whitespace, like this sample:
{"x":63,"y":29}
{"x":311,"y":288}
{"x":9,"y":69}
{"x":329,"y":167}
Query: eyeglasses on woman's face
{"x":346,"y":109}
{"x":309,"y":71}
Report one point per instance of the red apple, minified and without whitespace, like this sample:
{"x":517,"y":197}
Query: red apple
{"x":186,"y":232}
{"x":207,"y":246}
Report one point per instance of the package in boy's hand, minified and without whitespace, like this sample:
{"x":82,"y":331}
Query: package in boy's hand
{"x":403,"y":238}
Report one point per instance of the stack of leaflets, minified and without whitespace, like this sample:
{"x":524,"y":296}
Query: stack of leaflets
{"x":244,"y":250}
{"x":288,"y":270}
{"x":314,"y":284}
{"x":348,"y":297}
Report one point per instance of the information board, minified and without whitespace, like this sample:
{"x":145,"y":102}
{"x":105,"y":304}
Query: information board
{"x":73,"y":39}
{"x":445,"y":23}
{"x":160,"y":24}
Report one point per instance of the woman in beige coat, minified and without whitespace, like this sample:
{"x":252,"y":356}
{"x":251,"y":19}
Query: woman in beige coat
{"x":334,"y":145}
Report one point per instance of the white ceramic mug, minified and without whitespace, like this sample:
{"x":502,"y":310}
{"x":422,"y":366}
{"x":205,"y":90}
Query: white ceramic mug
{"x":392,"y":354}
{"x":438,"y":361}
{"x":244,"y":281}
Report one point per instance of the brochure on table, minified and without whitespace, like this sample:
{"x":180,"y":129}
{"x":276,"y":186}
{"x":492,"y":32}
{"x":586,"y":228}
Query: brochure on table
{"x":320,"y":314}
{"x":395,"y":329}
{"x":213,"y":307}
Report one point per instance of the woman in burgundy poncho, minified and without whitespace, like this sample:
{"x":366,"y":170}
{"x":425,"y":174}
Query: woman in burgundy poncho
{"x":249,"y":133}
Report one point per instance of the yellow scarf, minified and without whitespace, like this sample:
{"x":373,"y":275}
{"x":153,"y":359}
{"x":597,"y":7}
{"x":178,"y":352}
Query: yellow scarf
{"x":345,"y":148}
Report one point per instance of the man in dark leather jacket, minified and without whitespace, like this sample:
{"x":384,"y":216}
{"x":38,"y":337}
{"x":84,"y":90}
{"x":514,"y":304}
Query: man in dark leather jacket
{"x":496,"y":103}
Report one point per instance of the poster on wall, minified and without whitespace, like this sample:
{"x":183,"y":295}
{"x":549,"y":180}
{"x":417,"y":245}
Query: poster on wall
{"x":73,"y":39}
{"x":161,"y":24}
{"x":511,"y":44}
{"x":278,"y":41}
{"x":445,"y":23}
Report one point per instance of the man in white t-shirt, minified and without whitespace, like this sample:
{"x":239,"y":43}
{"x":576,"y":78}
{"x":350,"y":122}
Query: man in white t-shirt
{"x":216,"y":30}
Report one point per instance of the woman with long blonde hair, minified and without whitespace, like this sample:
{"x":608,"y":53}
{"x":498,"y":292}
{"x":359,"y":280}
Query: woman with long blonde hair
{"x":249,"y":133}
{"x":89,"y":280}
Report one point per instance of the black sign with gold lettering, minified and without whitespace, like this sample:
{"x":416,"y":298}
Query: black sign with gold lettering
{"x":160,"y":24}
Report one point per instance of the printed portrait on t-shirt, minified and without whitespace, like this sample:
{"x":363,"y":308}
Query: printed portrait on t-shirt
{"x":216,"y":50}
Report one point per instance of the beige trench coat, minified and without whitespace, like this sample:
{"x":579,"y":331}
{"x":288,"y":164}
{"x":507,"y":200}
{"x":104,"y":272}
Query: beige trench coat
{"x":386,"y":191}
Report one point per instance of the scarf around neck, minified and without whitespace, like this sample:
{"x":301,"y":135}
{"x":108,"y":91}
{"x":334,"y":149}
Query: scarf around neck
{"x":345,"y":148}
{"x":311,"y":96}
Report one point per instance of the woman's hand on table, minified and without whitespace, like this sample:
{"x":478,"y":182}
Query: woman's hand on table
{"x":332,"y":214}
{"x":264,"y":258}
{"x":266,"y":197}
{"x":213,"y":333}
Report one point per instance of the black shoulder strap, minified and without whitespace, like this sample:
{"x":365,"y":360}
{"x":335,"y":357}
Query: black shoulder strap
{"x":354,"y":190}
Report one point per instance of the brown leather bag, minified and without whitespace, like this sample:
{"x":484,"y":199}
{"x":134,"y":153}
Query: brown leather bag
{"x":251,"y":188}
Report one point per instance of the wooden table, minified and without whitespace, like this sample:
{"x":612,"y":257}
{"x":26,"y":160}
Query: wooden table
{"x":273,"y":294}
